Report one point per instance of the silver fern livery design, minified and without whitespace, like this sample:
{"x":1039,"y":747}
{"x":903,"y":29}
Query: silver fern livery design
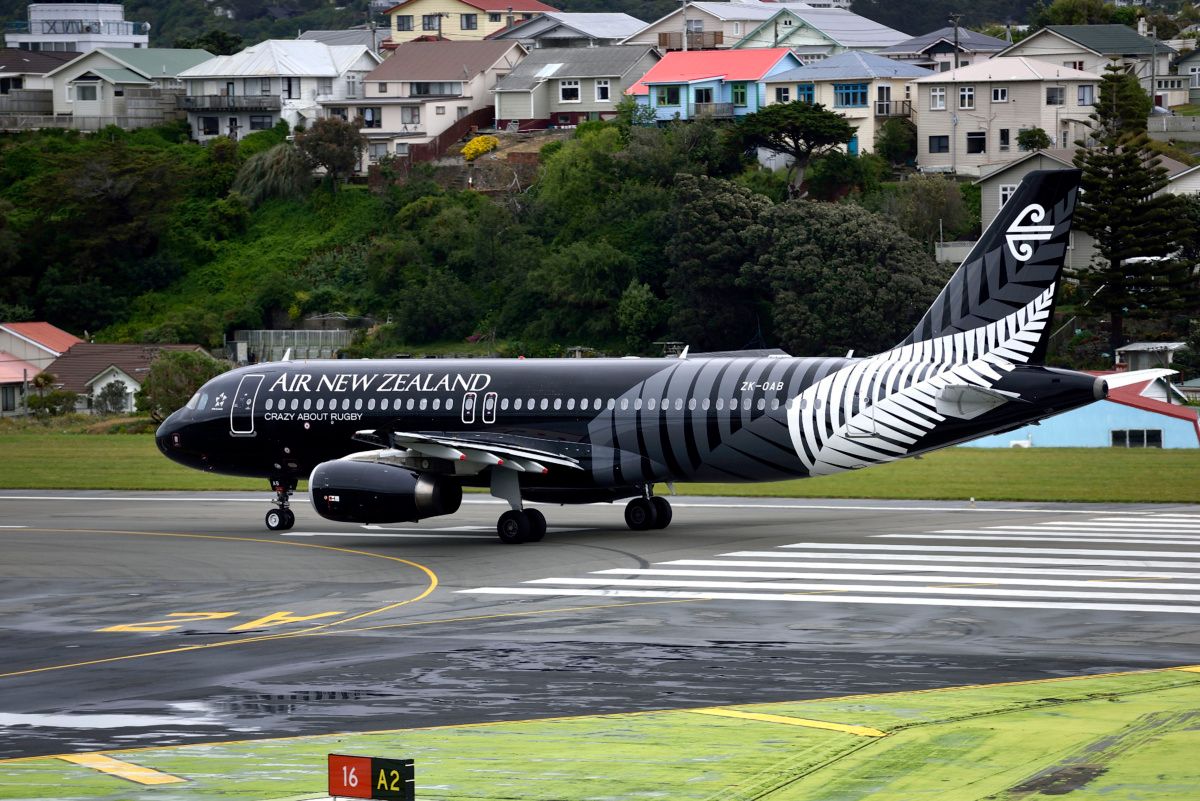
{"x":397,"y":440}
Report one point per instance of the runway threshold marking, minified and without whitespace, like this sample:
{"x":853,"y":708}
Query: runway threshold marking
{"x":123,"y":770}
{"x":861,"y":731}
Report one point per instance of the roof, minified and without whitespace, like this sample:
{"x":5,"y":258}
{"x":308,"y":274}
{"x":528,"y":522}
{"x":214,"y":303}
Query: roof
{"x":14,"y":61}
{"x":1152,"y":347}
{"x":497,"y":6}
{"x":120,"y":75}
{"x":14,"y":370}
{"x":1009,"y":69}
{"x":48,"y":337}
{"x":75,"y":369}
{"x":968,"y":40}
{"x":853,"y":64}
{"x":560,"y":25}
{"x":156,"y":62}
{"x":1066,"y":156}
{"x":683,"y":66}
{"x":1131,"y":395}
{"x":365,"y":37}
{"x":546,"y":63}
{"x":837,"y":24}
{"x":1107,"y":40}
{"x":443,"y":61}
{"x":299,"y":57}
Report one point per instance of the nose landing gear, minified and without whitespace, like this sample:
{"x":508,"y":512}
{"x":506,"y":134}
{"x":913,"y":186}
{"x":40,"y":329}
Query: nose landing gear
{"x":282,"y":518}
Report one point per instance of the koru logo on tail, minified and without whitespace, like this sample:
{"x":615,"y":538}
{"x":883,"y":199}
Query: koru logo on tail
{"x":1020,"y":235}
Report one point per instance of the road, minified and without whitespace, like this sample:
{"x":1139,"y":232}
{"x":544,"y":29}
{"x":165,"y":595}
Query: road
{"x":131,"y":619}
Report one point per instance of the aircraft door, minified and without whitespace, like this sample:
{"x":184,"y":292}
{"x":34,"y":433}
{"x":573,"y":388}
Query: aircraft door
{"x":489,"y":408}
{"x":468,"y":408}
{"x":241,"y":413}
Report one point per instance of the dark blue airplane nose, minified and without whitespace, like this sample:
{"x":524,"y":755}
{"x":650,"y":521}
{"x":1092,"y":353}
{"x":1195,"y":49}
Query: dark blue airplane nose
{"x":169,"y":437}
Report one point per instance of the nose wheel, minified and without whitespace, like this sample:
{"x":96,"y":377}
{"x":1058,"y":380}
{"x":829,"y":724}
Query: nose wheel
{"x":281,"y":518}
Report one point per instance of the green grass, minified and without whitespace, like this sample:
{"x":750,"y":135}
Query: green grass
{"x":55,"y":459}
{"x":1120,"y":736}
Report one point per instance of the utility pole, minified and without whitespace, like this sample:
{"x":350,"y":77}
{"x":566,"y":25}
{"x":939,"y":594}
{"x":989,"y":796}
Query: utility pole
{"x":954,"y":18}
{"x":685,"y":30}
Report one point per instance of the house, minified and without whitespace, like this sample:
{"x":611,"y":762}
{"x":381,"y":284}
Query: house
{"x":935,"y":50}
{"x":557,"y":29}
{"x":75,"y":27}
{"x":1188,"y":66}
{"x":1148,"y":414}
{"x":1148,"y":355}
{"x":15,"y":375}
{"x":279,"y":79}
{"x":721,"y":84}
{"x":87,"y":368}
{"x":865,"y":88}
{"x":817,"y":33}
{"x":24,"y":87}
{"x":372,"y":38}
{"x":566,"y":86}
{"x":427,"y":95}
{"x":464,"y":20}
{"x":37,"y":343}
{"x":1091,"y":48}
{"x":1000,"y":181}
{"x":971,"y":116}
{"x":104,"y":83}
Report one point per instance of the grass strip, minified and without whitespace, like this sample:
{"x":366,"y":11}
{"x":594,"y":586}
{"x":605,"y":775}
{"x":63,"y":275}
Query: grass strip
{"x":53,"y":460}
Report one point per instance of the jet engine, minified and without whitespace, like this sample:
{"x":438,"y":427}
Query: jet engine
{"x":375,"y":492}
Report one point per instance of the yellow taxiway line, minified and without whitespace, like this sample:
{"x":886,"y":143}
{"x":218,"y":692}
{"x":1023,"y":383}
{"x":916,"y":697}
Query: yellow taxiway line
{"x":123,"y":770}
{"x":861,"y":731}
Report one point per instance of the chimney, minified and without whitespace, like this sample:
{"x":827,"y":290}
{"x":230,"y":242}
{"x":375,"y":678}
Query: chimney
{"x":509,"y":18}
{"x":1141,"y":26}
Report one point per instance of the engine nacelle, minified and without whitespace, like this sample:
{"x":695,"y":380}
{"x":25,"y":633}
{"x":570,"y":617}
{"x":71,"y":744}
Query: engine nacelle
{"x":374,"y":492}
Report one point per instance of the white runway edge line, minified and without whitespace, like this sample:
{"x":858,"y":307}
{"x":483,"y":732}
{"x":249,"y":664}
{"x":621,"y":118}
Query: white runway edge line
{"x":970,"y":549}
{"x":943,"y":569}
{"x":1036,"y":538}
{"x":1094,"y":525}
{"x":1004,"y":560}
{"x":14,"y":526}
{"x":1058,"y":532}
{"x":835,"y":599}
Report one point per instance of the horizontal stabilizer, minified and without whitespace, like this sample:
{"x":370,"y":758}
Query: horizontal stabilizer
{"x":968,"y":402}
{"x":1136,"y":377}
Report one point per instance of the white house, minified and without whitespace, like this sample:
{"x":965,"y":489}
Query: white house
{"x":77,"y":27}
{"x":99,"y":83}
{"x":279,"y":79}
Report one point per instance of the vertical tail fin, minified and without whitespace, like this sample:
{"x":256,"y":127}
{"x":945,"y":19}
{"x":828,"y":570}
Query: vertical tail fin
{"x":1019,"y":256}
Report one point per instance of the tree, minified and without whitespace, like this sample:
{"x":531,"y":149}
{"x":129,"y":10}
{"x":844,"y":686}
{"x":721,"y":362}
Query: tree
{"x":896,"y":141}
{"x":1033,"y":139}
{"x":798,"y":129}
{"x":281,"y":171}
{"x":1123,"y":207}
{"x":1071,"y":12}
{"x":217,"y":42}
{"x":334,"y":145}
{"x":174,"y":377}
{"x":841,"y":277}
{"x":112,"y":398}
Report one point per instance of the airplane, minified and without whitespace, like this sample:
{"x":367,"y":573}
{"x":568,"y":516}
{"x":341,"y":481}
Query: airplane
{"x":391,"y":440}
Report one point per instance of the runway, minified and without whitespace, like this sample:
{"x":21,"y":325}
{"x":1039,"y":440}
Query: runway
{"x":131,"y":619}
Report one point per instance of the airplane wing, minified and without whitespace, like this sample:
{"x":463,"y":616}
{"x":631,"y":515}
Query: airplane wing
{"x":478,"y":453}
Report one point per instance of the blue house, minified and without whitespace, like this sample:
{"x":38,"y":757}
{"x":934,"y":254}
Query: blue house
{"x":721,"y":84}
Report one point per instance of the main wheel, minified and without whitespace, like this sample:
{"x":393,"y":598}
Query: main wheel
{"x":662,"y":512}
{"x":513,"y":527}
{"x":289,"y":519}
{"x":537,"y":525}
{"x":276,"y":520}
{"x":640,"y":514}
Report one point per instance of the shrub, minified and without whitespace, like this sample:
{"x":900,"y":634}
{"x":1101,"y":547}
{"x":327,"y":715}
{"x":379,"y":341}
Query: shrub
{"x":479,"y":145}
{"x":54,"y":403}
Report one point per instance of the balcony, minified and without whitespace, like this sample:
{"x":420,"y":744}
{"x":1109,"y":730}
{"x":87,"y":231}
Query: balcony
{"x":75,"y":27}
{"x":718,"y":111}
{"x":224,"y":103}
{"x":696,"y":40}
{"x":893,"y":108}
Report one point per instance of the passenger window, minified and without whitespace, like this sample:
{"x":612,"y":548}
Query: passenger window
{"x":597,"y":406}
{"x":720,"y":404}
{"x":583,"y":405}
{"x":449,"y":404}
{"x":295,"y":404}
{"x":370,"y":405}
{"x":691,"y":404}
{"x":307,"y":404}
{"x":679,"y":404}
{"x":650,"y":404}
{"x":774,"y":404}
{"x":503,"y":404}
{"x":358,"y":404}
{"x":517,"y":405}
{"x":424,"y":404}
{"x":733,"y":404}
{"x":270,"y":403}
{"x":624,"y":404}
{"x":437,"y":404}
{"x":320,"y":404}
{"x":637,"y":404}
{"x":545,"y":404}
{"x":409,"y":405}
{"x":570,"y":404}
{"x":762,"y":404}
{"x":557,"y":404}
{"x":704,"y":404}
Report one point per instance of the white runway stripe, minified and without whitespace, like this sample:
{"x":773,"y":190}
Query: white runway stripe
{"x":1035,"y":538}
{"x":971,"y":549}
{"x":804,"y":586}
{"x":1091,"y":526}
{"x":936,"y":578}
{"x":940,"y":569}
{"x":836,"y":599}
{"x":1058,"y":532}
{"x":1024,"y":560}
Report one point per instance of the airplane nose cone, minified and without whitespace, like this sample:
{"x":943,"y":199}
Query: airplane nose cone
{"x":169,"y":436}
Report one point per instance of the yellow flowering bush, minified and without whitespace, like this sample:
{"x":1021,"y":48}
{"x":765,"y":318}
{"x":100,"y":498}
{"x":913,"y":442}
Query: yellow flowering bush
{"x":478,"y":146}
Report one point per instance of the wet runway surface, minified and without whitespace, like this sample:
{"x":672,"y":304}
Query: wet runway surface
{"x":132,"y":619}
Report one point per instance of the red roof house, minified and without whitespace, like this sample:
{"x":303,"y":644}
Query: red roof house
{"x":687,"y":84}
{"x":36,"y":343}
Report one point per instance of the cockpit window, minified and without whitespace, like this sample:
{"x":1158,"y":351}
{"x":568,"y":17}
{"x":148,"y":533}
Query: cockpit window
{"x":203,"y":401}
{"x":195,"y":399}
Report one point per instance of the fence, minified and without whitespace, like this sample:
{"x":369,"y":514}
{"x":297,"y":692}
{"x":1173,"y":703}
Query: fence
{"x":433,"y":149}
{"x":265,"y":345}
{"x":27,"y":101}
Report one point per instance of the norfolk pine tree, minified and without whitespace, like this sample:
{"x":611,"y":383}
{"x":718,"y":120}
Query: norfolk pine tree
{"x":1122,"y":207}
{"x":797,"y":129}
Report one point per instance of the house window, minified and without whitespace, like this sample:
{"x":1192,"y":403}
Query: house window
{"x":568,"y":91}
{"x":1054,"y":95}
{"x":431,"y":22}
{"x":849,"y":95}
{"x":737,"y":29}
{"x":401,"y":150}
{"x":939,"y":144}
{"x":966,"y":97}
{"x":340,"y":112}
{"x":695,"y":26}
{"x":602,"y":95}
{"x":468,"y":22}
{"x":410,"y":115}
{"x":737,"y":93}
{"x":937,"y":98}
{"x":1086,"y":95}
{"x":372,"y":117}
{"x":493,"y":17}
{"x":1005,"y":142}
{"x":324,"y":86}
{"x":781,"y":94}
{"x":291,"y":88}
{"x":210,"y":126}
{"x":376,"y":151}
{"x":440,"y":110}
{"x":435,"y":88}
{"x":527,"y":16}
{"x":805,"y":93}
{"x":977,"y":142}
{"x":261,"y":122}
{"x":264,"y":86}
{"x":1137,"y":438}
{"x":8,"y":399}
{"x":1075,"y":65}
{"x":1006,"y":191}
{"x":85,"y":92}
{"x":667,"y":96}
{"x":382,"y":87}
{"x":404,"y":22}
{"x":999,"y":94}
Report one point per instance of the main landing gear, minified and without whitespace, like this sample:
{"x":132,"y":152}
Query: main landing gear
{"x":643,"y":514}
{"x":521,"y":525}
{"x":282,"y":518}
